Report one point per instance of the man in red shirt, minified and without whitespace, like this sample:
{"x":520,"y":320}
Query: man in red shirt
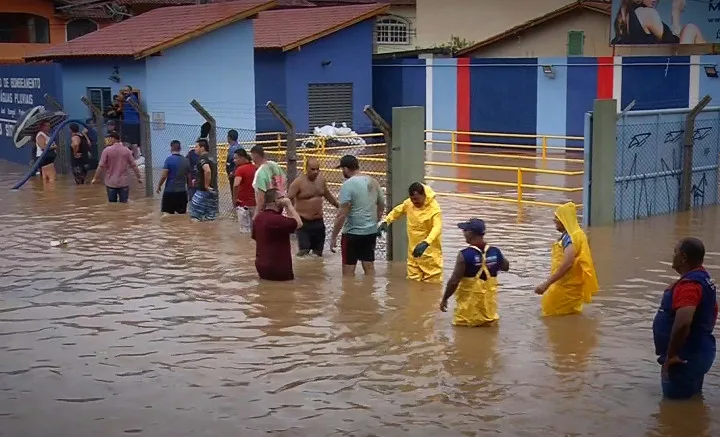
{"x":684,"y":324}
{"x":271,"y":232}
{"x":243,"y":191}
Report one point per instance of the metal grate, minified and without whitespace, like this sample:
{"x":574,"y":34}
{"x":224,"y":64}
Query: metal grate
{"x":330,"y":102}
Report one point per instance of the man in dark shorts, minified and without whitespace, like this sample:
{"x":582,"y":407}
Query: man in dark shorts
{"x":271,"y":232}
{"x":80,"y":145}
{"x":176,"y":172}
{"x":307,"y":193}
{"x":361,"y":208}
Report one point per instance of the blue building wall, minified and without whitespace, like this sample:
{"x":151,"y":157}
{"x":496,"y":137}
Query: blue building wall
{"x":80,"y":74}
{"x":582,"y":90}
{"x":503,"y":97}
{"x":552,"y":100}
{"x":16,"y":100}
{"x":182,"y":74}
{"x":350,"y":52}
{"x":410,"y":74}
{"x":270,"y":85}
{"x":656,"y":82}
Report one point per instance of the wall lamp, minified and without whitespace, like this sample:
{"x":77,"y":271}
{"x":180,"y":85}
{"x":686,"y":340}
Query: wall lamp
{"x":548,"y":71}
{"x":711,"y":71}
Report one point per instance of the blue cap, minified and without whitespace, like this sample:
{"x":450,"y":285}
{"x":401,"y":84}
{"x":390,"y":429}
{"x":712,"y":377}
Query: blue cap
{"x":476,"y":226}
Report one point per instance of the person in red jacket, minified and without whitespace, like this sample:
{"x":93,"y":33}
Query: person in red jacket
{"x":271,"y":232}
{"x":243,"y":191}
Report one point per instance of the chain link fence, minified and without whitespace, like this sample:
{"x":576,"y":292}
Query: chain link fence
{"x":649,"y":166}
{"x":370,"y":151}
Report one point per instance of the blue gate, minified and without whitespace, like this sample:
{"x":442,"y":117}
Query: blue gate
{"x":23,"y":87}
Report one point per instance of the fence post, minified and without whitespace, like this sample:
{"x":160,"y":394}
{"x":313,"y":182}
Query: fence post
{"x":688,"y":140}
{"x":290,"y":141}
{"x":99,"y":122}
{"x":145,"y":146}
{"x":603,"y":162}
{"x":386,"y":130}
{"x":62,"y":153}
{"x":212,"y":135}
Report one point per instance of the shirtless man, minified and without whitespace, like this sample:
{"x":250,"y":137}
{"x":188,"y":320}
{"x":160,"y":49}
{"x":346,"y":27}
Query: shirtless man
{"x":307,"y":193}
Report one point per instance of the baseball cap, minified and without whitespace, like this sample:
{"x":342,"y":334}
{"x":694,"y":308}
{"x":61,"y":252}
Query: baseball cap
{"x":350,"y":162}
{"x":476,"y":226}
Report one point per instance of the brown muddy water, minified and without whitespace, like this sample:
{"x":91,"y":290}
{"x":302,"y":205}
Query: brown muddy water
{"x":151,"y":326}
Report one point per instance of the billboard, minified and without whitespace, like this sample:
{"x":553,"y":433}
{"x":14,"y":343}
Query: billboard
{"x":648,"y":22}
{"x":22,"y":87}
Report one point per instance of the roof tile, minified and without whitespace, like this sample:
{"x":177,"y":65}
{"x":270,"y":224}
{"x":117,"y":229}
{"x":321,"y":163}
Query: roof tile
{"x":156,"y":30}
{"x":288,"y":28}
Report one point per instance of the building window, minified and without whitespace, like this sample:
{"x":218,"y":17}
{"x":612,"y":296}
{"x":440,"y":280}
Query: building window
{"x":101,"y":98}
{"x":576,"y":43}
{"x":79,"y":27}
{"x":24,"y":28}
{"x":392,"y":30}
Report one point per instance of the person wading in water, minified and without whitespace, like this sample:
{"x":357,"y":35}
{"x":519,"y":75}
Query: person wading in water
{"x":474,"y":278}
{"x":572,"y":280}
{"x":683,"y":326}
{"x":80,"y":161}
{"x":307,"y":193}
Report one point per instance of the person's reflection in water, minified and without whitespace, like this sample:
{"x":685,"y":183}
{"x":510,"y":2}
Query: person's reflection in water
{"x":472,"y":360}
{"x":572,"y":340}
{"x":278,"y":306}
{"x":358,"y":309}
{"x":682,"y":419}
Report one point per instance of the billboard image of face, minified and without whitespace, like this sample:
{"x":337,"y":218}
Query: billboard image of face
{"x":647,"y":22}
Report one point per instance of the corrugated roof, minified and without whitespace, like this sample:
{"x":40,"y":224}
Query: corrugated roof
{"x":156,"y":30}
{"x":596,"y":6}
{"x":291,"y":28}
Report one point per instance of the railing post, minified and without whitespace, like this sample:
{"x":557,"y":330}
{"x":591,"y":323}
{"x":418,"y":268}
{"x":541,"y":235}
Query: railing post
{"x":544,"y":148}
{"x":212,"y":135}
{"x":686,"y":179}
{"x":519,"y":185}
{"x":145,"y":145}
{"x":63,"y":160}
{"x":453,"y":144}
{"x":386,"y":130}
{"x":97,"y":115}
{"x":290,"y":141}
{"x":279,"y":140}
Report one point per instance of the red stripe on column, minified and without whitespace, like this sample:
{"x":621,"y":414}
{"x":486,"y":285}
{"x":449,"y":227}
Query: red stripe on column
{"x":463,"y":98}
{"x":605,"y":77}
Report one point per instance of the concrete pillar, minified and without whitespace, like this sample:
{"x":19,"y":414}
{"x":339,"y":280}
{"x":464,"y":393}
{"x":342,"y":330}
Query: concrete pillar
{"x":407,"y":165}
{"x":602,"y":164}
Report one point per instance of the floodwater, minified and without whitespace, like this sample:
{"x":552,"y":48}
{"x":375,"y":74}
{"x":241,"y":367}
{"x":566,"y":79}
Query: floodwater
{"x":152,"y":326}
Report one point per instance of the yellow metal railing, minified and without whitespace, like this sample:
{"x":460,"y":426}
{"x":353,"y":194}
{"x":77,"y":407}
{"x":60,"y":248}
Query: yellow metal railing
{"x":544,"y":147}
{"x":276,"y":148}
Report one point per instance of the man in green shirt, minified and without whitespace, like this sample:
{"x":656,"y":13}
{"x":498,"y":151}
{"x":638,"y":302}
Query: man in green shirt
{"x":269,"y":176}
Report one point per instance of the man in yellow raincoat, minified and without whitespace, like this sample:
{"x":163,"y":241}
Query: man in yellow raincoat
{"x":474,"y":279}
{"x":424,"y":229}
{"x":572,"y":280}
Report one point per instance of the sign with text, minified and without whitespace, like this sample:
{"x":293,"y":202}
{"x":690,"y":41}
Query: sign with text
{"x":22,"y":87}
{"x":649,"y":22}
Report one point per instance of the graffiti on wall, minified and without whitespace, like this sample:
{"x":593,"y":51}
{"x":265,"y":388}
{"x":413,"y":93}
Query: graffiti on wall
{"x":649,"y":165}
{"x":22,"y":87}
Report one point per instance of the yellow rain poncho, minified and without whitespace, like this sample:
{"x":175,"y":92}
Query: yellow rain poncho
{"x":569,"y":293}
{"x":476,"y":299}
{"x":423,"y":224}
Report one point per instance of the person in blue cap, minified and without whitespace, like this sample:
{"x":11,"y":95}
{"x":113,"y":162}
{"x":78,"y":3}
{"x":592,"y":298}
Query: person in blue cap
{"x":474,"y":278}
